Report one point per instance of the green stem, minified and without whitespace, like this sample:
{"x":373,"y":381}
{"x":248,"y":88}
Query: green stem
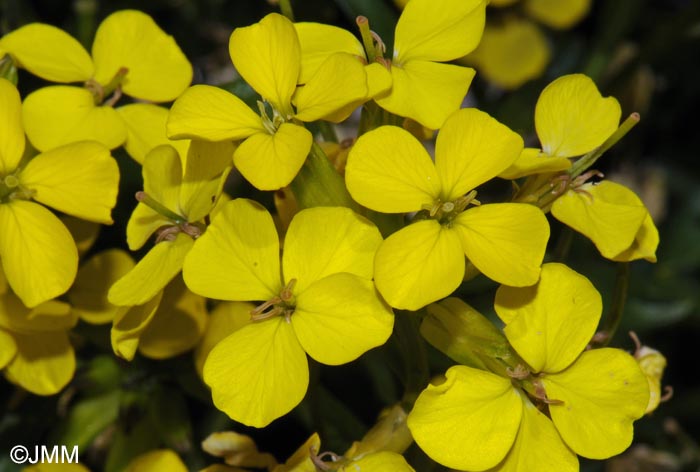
{"x":286,"y":9}
{"x":156,"y":206}
{"x":318,"y":183}
{"x":563,"y":245}
{"x":327,"y":131}
{"x":612,"y":321}
{"x":415,"y":358}
{"x":589,"y":159}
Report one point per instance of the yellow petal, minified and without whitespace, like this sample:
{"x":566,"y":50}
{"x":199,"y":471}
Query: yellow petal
{"x":152,"y":273}
{"x":49,"y":316}
{"x":177,"y":325}
{"x":537,"y":446}
{"x":472,"y":148}
{"x":505,"y":241}
{"x":145,"y":129}
{"x":162,"y":181}
{"x":300,"y":461}
{"x":270,"y":162}
{"x":84,"y":233}
{"x":158,"y":71}
{"x":258,"y":373}
{"x":603,"y":392}
{"x":644,"y":245}
{"x":129,"y":323}
{"x":558,"y":14}
{"x":160,"y":460}
{"x":237,"y":449}
{"x":470,"y":404}
{"x":213,"y":114}
{"x":341,"y":317}
{"x":48,"y":52}
{"x":237,"y":258}
{"x":206,"y":168}
{"x":144,"y":221}
{"x":339,"y":81}
{"x":551,"y":323}
{"x":533,"y":161}
{"x":427,"y":92}
{"x":419,"y":264}
{"x":226,"y":318}
{"x":162,"y":176}
{"x":80,"y":179}
{"x":652,"y":363}
{"x":268,"y":57}
{"x":427,"y":33}
{"x":511,"y":53}
{"x":388,"y":170}
{"x":383,"y":461}
{"x":326,"y":240}
{"x":319,"y":41}
{"x":608,"y":214}
{"x":9,"y":348}
{"x":378,"y":79}
{"x":58,"y":115}
{"x":11,"y":132}
{"x":89,"y":292}
{"x":572,"y":118}
{"x":44,"y":363}
{"x":34,"y":242}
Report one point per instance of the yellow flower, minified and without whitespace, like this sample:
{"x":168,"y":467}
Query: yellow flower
{"x":511,"y":53}
{"x":38,"y":254}
{"x":613,"y":217}
{"x":88,"y":295}
{"x":389,"y":171}
{"x":159,"y":460}
{"x":592,"y":397}
{"x":175,"y":201}
{"x":36,"y":353}
{"x":571,"y":119}
{"x":274,"y":144}
{"x":130,"y":54}
{"x":427,"y":35}
{"x":324,"y":304}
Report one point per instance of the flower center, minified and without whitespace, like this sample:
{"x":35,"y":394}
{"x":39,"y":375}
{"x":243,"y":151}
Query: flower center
{"x":279,"y":305}
{"x":12,"y":189}
{"x":270,"y":124}
{"x":114,"y":87}
{"x":446,"y":212}
{"x":180,"y":223}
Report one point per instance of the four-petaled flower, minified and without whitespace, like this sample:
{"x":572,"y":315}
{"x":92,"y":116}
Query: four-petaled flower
{"x":590,"y":397}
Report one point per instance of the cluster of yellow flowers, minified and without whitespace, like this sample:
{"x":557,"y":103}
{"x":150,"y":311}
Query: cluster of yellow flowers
{"x":394,"y":228}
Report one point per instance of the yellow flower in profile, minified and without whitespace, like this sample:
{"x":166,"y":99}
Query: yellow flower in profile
{"x":427,"y":34}
{"x":511,"y":53}
{"x":274,"y":143}
{"x":130,"y":55}
{"x":320,"y":302}
{"x":589,"y":398}
{"x":388,"y":170}
{"x":175,"y":201}
{"x":171,"y":323}
{"x":571,"y":119}
{"x":80,"y":179}
{"x":35,"y":352}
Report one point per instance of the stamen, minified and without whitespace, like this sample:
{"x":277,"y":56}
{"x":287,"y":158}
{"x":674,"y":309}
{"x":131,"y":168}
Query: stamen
{"x":286,"y":293}
{"x":317,"y":459}
{"x":261,"y":311}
